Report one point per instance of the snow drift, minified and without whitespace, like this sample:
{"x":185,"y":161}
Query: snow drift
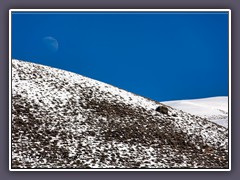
{"x":64,"y":120}
{"x":215,"y":109}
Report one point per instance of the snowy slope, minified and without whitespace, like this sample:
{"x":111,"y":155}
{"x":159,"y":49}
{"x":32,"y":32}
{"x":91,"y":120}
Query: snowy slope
{"x":214,"y":109}
{"x":65,"y":120}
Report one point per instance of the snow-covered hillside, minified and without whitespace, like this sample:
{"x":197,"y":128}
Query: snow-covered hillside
{"x":65,"y":120}
{"x":214,"y":109}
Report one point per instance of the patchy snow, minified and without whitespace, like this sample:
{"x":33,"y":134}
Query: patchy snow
{"x":65,"y":120}
{"x":214,"y":109}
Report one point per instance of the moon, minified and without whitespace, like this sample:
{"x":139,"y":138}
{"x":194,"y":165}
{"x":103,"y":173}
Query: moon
{"x":50,"y":43}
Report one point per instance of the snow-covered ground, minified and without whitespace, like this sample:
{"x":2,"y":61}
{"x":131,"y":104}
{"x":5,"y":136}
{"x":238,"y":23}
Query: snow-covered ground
{"x":214,"y":109}
{"x":64,"y":120}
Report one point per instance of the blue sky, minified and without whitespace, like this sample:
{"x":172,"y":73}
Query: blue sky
{"x":162,"y":56}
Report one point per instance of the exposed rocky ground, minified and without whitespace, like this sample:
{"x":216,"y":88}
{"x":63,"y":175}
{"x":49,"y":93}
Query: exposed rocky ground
{"x":64,"y":120}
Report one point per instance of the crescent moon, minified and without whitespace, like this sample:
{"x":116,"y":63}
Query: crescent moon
{"x":50,"y":43}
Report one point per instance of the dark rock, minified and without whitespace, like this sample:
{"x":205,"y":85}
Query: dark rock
{"x":162,"y":109}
